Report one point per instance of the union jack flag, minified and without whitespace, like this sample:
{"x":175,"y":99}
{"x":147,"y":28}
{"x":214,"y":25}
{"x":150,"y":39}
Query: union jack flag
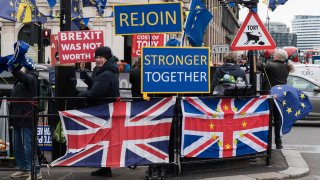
{"x":224,"y":127}
{"x":119,"y":134}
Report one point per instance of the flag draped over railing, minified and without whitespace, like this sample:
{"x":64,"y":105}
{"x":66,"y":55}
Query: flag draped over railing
{"x":196,"y":23}
{"x":224,"y":127}
{"x":292,"y":104}
{"x":24,"y":11}
{"x":119,"y":134}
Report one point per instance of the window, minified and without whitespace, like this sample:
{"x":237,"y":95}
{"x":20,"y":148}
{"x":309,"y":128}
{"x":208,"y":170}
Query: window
{"x":301,"y":84}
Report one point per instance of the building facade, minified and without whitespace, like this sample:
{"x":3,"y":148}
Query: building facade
{"x":308,"y":31}
{"x":221,"y":29}
{"x":281,"y":35}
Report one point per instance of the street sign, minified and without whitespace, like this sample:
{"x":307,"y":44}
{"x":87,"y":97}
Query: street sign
{"x":148,"y":18}
{"x":175,"y":70}
{"x":223,"y":48}
{"x":252,"y":35}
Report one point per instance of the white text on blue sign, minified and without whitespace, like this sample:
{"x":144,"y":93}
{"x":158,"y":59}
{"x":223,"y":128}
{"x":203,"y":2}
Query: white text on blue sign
{"x":175,"y":70}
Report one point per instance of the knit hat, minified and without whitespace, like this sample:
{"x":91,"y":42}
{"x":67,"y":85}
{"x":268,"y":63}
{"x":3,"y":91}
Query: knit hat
{"x":103,"y":51}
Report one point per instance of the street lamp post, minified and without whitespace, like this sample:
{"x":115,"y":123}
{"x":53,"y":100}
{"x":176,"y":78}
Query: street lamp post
{"x":65,"y":78}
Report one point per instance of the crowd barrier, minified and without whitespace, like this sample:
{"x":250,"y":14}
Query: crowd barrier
{"x":176,"y":162}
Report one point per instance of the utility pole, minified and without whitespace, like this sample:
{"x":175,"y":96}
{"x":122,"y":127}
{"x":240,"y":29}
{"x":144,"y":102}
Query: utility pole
{"x":65,"y":73}
{"x":65,"y":78}
{"x":40,"y":44}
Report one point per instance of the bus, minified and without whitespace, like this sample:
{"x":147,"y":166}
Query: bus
{"x":308,"y":55}
{"x":293,"y":54}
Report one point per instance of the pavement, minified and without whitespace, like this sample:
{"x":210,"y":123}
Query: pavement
{"x":284,"y":164}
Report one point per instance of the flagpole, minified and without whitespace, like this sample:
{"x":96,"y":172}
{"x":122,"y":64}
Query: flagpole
{"x":268,"y":19}
{"x":150,"y":35}
{"x":184,"y":32}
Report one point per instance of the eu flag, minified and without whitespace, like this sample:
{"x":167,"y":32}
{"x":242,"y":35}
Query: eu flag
{"x":292,"y":105}
{"x":99,"y":4}
{"x":274,"y":3}
{"x":197,"y":22}
{"x":76,"y":11}
{"x":24,"y":11}
{"x":52,"y":3}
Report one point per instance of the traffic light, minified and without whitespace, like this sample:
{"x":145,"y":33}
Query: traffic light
{"x":46,"y":37}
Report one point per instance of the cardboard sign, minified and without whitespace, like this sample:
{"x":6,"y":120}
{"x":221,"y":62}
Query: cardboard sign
{"x":175,"y":70}
{"x":79,"y":46}
{"x":145,"y":40}
{"x":148,"y":18}
{"x":252,"y":35}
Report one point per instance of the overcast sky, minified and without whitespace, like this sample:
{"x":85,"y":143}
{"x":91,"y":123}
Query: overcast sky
{"x":285,"y":13}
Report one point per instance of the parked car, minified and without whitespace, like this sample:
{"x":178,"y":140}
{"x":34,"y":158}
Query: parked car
{"x":311,"y":88}
{"x":309,"y":70}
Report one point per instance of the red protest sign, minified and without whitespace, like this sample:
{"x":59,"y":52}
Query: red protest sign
{"x":54,"y":48}
{"x":140,"y":40}
{"x":79,"y":46}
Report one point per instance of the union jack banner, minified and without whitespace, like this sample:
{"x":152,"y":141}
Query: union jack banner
{"x":118,"y":134}
{"x":224,"y":127}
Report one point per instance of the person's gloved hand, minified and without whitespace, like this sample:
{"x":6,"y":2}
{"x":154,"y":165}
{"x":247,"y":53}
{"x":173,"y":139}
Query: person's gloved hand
{"x":83,"y":75}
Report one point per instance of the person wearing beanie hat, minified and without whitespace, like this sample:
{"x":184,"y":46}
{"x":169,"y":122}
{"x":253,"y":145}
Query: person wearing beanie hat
{"x":103,"y":51}
{"x":276,"y":73}
{"x":103,"y":82}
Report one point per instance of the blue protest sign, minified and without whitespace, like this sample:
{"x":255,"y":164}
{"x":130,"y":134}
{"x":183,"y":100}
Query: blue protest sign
{"x":175,"y":70}
{"x":148,"y":18}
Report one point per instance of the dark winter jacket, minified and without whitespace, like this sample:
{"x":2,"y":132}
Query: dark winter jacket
{"x":105,"y":82}
{"x":228,"y":68}
{"x":26,"y":86}
{"x":277,"y":73}
{"x":135,"y":80}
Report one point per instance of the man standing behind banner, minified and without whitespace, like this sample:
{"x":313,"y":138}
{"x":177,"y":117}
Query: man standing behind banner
{"x":276,"y":73}
{"x":104,"y":82}
{"x":135,"y":79}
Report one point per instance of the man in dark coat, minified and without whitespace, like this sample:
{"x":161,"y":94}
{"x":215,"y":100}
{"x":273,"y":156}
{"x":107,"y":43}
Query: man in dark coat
{"x":26,"y":87}
{"x":230,"y":67}
{"x":104,"y":82}
{"x":276,"y":73}
{"x":135,"y":80}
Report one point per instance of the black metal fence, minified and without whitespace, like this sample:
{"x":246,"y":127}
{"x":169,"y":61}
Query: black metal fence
{"x":50,"y":117}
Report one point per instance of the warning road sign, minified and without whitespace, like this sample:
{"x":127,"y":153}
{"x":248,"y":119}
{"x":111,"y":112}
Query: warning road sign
{"x":252,"y":35}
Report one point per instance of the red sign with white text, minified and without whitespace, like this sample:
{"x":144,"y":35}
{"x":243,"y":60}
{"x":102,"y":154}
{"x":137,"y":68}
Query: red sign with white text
{"x":140,"y":40}
{"x":79,"y":46}
{"x":54,"y":48}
